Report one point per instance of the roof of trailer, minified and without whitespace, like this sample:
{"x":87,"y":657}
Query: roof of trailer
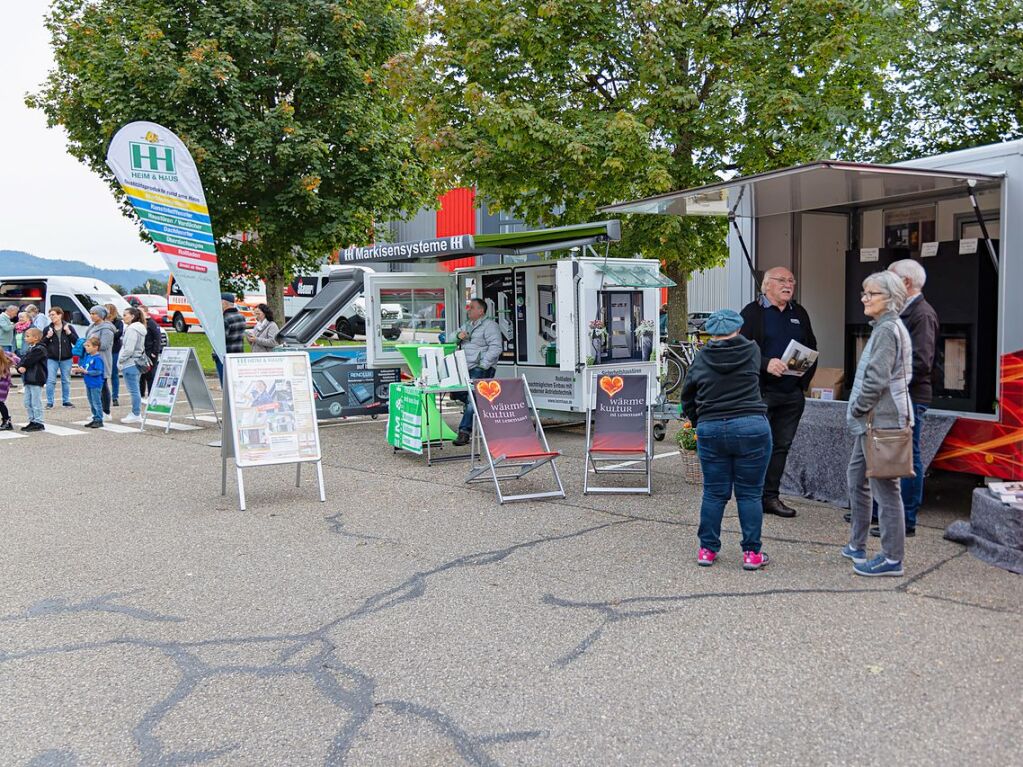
{"x":813,"y":186}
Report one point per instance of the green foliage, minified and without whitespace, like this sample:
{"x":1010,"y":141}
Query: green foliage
{"x":286,"y":106}
{"x":966,"y":74}
{"x":686,"y":436}
{"x":554,"y":108}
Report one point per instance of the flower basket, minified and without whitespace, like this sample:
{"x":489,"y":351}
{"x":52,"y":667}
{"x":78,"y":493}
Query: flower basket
{"x":691,"y":471}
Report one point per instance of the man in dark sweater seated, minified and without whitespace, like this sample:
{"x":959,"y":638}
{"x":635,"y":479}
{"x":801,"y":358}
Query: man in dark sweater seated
{"x":771,"y":322}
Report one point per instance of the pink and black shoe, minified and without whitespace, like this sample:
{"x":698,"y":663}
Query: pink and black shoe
{"x":706,"y":557}
{"x":754,"y":560}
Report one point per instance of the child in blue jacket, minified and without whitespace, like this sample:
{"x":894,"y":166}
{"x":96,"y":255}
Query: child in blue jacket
{"x":93,"y":371}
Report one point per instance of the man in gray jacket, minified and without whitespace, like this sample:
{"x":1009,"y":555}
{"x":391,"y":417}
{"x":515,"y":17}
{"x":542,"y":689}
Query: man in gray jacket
{"x":480,"y":339}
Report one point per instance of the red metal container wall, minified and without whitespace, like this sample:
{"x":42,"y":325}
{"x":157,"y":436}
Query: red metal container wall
{"x":457,"y":216}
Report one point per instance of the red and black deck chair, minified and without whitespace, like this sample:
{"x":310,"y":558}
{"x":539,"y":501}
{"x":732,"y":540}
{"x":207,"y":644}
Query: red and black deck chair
{"x":510,"y":437}
{"x":618,"y":432}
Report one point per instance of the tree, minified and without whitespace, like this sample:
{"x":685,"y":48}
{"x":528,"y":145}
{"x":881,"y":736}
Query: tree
{"x":966,"y":74}
{"x":556,"y":107}
{"x":118,"y":288}
{"x":284,"y":104}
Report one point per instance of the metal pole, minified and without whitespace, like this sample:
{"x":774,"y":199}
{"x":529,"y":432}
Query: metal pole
{"x":983,"y":226}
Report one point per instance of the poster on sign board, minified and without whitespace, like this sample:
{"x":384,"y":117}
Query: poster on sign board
{"x":272,"y":410}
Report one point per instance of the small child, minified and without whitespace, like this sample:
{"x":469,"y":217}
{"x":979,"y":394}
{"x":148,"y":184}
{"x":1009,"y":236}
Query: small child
{"x":33,"y":375}
{"x":93,"y":370}
{"x":7,"y":361}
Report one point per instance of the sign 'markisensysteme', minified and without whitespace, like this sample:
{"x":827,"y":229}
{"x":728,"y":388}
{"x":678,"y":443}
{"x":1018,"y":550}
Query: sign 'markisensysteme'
{"x":159,"y":176}
{"x":440,"y":248}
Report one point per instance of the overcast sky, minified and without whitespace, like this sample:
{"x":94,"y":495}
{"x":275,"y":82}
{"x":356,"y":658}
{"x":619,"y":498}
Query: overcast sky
{"x":52,"y":206}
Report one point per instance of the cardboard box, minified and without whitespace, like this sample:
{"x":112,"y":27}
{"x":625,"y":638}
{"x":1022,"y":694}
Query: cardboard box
{"x":827,"y":384}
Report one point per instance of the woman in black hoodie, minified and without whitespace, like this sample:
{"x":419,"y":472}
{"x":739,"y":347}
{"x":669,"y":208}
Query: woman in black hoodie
{"x":721,"y":397}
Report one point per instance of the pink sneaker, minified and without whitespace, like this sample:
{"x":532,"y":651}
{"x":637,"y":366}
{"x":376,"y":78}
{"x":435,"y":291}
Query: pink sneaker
{"x":706,"y":557}
{"x":751,"y":560}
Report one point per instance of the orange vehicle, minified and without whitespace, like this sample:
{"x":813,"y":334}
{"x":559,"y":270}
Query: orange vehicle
{"x":183,"y":318}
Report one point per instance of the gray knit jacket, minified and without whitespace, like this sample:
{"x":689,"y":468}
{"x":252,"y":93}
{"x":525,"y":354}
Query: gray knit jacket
{"x":882,"y":378}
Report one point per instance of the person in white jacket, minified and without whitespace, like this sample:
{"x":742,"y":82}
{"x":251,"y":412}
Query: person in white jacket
{"x":133,"y":352}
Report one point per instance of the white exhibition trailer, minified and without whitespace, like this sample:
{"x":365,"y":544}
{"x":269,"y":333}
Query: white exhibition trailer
{"x":544,"y":308}
{"x":832,"y":223}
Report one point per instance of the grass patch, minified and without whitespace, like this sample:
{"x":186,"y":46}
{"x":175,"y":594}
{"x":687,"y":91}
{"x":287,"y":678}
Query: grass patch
{"x":201,"y":344}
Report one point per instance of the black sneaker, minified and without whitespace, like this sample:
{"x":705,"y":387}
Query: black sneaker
{"x":462,"y":439}
{"x":67,"y":404}
{"x":116,"y":403}
{"x":7,"y":425}
{"x":50,"y":406}
{"x":33,"y":426}
{"x":94,"y":425}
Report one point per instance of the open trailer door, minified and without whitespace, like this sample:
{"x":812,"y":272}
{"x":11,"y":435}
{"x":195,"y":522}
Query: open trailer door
{"x":405,"y":307}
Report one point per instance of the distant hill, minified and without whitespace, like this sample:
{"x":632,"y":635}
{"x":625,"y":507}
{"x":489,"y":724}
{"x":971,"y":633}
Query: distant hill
{"x":15,"y":263}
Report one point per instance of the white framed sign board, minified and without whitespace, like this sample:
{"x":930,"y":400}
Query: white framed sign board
{"x":177,"y":371}
{"x":269,"y":416}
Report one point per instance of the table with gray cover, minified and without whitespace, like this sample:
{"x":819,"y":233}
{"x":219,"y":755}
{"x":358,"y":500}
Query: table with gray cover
{"x":994,"y":533}
{"x":821,"y":450}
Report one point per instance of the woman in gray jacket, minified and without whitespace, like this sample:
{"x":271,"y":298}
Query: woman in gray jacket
{"x":263,"y":337}
{"x":882,"y":386}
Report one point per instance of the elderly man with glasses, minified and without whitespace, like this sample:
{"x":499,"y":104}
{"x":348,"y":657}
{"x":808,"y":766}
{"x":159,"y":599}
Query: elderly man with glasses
{"x":771,"y":322}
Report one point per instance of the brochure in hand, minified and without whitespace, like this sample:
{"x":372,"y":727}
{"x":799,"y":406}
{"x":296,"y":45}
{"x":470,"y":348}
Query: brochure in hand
{"x":798,"y":359}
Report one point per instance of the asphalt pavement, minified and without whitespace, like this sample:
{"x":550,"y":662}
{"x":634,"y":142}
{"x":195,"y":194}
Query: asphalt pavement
{"x":410,"y":620}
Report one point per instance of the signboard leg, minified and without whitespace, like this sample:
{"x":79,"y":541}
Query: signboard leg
{"x":241,"y":491}
{"x":319,"y":477}
{"x":223,"y":475}
{"x":298,"y":475}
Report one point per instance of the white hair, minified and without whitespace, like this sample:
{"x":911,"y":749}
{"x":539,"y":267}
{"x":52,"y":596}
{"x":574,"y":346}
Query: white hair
{"x":911,"y":270}
{"x":891,"y":284}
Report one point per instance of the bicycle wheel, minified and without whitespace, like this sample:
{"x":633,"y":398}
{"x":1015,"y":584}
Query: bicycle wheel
{"x":673,"y":375}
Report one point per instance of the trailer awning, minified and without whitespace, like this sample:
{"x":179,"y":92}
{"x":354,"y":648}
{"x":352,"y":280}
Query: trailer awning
{"x":508,"y":244}
{"x":619,"y":274}
{"x":814,"y":186}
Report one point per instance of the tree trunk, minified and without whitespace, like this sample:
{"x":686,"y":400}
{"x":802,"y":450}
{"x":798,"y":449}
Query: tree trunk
{"x":678,"y":303}
{"x":275,"y":280}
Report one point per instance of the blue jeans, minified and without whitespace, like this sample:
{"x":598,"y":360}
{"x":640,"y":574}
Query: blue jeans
{"x":220,"y":369}
{"x":64,"y":366}
{"x":734,"y":453}
{"x":474,"y":373}
{"x":131,"y":381}
{"x":913,"y":487}
{"x":95,"y":397}
{"x":33,"y":396}
{"x":115,"y":377}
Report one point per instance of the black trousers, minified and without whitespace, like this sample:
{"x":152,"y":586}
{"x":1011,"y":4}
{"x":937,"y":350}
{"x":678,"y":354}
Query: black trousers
{"x":104,"y":396}
{"x":784,"y":409}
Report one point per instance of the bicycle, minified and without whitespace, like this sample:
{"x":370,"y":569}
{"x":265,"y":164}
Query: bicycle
{"x":676,"y":359}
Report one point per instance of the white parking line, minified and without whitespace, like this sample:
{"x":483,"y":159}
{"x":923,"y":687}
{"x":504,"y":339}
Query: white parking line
{"x":174,"y":426}
{"x":11,"y":435}
{"x":62,"y":431}
{"x":116,"y":428}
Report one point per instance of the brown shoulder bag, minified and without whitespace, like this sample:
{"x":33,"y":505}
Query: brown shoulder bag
{"x":889,"y":452}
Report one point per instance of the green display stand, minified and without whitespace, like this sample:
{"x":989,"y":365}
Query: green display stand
{"x":438,"y":429}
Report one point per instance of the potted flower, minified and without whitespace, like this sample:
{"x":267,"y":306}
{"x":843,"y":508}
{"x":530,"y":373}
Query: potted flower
{"x":598,"y":337}
{"x":686,"y":439}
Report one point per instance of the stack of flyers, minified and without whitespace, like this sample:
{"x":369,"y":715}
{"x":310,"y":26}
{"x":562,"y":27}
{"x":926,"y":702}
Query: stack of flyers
{"x":1008,"y":492}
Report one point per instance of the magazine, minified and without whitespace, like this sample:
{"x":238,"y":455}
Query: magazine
{"x":1007,"y":492}
{"x":798,"y":359}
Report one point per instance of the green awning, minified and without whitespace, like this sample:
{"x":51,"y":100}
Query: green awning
{"x":624,"y":275}
{"x":557,"y":238}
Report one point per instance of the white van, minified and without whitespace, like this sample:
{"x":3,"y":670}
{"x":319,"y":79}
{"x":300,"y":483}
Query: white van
{"x":75,"y":295}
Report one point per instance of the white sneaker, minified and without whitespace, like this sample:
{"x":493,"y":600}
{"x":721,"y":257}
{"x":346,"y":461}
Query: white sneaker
{"x":145,"y":400}
{"x":130,"y":418}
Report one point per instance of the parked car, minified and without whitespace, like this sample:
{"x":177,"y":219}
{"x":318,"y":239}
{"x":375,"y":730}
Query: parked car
{"x":155,"y":305}
{"x":75,"y":295}
{"x":696,"y":321}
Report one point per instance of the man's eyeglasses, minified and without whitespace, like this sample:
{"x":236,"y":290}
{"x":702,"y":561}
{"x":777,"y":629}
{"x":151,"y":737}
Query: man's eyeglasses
{"x":783,"y":280}
{"x":871,"y":294}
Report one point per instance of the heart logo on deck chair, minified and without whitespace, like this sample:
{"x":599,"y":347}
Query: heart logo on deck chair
{"x":489,"y":389}
{"x":612,"y":385}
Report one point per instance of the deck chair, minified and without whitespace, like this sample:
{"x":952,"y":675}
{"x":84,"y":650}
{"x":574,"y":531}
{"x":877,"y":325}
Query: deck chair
{"x":508,"y":434}
{"x":618,"y":432}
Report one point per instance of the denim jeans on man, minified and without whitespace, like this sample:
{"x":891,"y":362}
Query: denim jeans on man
{"x":889,"y":501}
{"x":131,"y":381}
{"x":33,"y":397}
{"x":474,"y":373}
{"x":734,"y":453}
{"x":95,"y":397}
{"x":64,"y":366}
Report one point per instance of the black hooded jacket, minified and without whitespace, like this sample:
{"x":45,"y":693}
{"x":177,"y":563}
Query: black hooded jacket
{"x":724,"y":381}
